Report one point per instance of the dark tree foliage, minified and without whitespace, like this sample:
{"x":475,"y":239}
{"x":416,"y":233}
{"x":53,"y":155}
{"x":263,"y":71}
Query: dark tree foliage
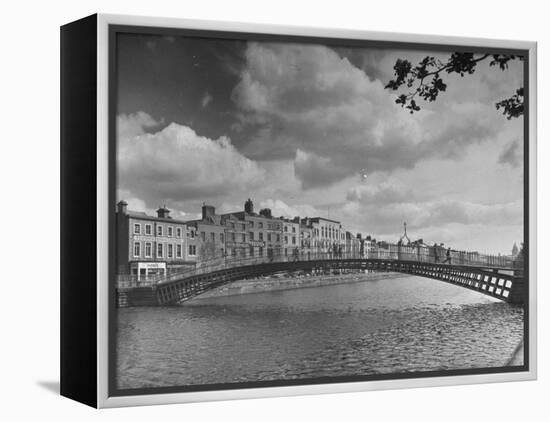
{"x":425,"y":79}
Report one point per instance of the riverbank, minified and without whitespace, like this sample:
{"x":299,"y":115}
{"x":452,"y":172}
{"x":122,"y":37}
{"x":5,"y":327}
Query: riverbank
{"x":271,"y":284}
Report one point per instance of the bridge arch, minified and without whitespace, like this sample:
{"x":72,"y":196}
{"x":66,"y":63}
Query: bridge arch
{"x":500,"y":283}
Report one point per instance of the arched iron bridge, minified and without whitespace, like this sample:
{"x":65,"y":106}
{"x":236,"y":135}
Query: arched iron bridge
{"x":496,"y":276}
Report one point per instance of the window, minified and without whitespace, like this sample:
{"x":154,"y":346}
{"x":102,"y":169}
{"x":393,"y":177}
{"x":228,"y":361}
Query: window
{"x":147,"y":248}
{"x":232,"y":237}
{"x":213,"y":237}
{"x":159,"y":230}
{"x":243,"y":237}
{"x":286,"y":239}
{"x":192,"y":250}
{"x":221,"y":237}
{"x":170,"y":252}
{"x":252,"y":224}
{"x":269,"y":237}
{"x":261,"y":225}
{"x":286,"y":228}
{"x":293,"y":240}
{"x":170,"y":231}
{"x":192,"y":234}
{"x":137,"y":249}
{"x":159,"y":250}
{"x":178,"y":251}
{"x":137,"y":228}
{"x":203,"y":236}
{"x":260,"y":251}
{"x":148,"y":229}
{"x":261,"y":236}
{"x":251,"y":235}
{"x":178,"y":232}
{"x":278,"y":238}
{"x":293,"y":229}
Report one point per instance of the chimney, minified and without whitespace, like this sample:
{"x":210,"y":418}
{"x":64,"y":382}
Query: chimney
{"x":163,"y":212}
{"x":249,"y":206}
{"x":122,"y":207}
{"x":266,"y":212}
{"x":208,"y":211}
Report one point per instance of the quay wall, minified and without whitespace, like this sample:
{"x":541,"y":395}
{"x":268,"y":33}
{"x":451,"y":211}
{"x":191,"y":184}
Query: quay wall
{"x":270,"y":284}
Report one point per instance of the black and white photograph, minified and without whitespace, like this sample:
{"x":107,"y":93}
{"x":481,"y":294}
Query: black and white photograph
{"x":300,"y":210}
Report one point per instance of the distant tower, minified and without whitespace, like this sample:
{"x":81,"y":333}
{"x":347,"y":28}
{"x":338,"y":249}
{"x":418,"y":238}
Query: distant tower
{"x":249,"y":206}
{"x":405,"y":236}
{"x":515,"y":249}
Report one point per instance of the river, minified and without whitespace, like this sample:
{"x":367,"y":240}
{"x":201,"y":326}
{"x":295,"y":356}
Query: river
{"x":404,"y":324}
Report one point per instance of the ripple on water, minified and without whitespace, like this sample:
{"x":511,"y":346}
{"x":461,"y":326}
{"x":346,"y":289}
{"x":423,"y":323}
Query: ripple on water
{"x":399,"y":325}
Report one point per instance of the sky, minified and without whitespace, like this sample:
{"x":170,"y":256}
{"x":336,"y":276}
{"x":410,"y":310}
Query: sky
{"x":309,"y":130}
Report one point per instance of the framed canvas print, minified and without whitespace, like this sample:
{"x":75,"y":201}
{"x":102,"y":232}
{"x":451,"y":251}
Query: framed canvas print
{"x":252,"y":211}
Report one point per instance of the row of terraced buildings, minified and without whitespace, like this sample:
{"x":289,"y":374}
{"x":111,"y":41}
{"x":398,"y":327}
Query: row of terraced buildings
{"x":156,"y":245}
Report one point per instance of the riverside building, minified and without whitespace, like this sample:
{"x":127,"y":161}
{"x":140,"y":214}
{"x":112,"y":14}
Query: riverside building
{"x":236,"y":236}
{"x":329,"y":237}
{"x":264,"y":232}
{"x":149,"y":246}
{"x":291,"y":236}
{"x":208,"y":235}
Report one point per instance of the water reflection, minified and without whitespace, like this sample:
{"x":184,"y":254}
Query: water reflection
{"x":392,"y":325}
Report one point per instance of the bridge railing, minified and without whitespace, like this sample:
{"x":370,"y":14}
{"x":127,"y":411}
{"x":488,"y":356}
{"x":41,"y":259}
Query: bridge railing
{"x":419,"y":253}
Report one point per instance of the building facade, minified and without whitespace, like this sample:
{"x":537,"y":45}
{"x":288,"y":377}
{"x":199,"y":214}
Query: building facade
{"x":236,"y":236}
{"x":149,"y":246}
{"x":159,"y":245}
{"x":291,"y":236}
{"x":208,"y":236}
{"x":329,"y":237}
{"x":263,"y":232}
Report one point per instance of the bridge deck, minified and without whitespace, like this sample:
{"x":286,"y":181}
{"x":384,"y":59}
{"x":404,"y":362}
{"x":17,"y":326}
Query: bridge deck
{"x":501,"y":282}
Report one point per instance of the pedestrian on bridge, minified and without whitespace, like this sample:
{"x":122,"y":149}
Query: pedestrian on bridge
{"x":436,"y":258}
{"x":448,"y":257}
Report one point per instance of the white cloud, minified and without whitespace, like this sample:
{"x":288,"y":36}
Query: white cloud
{"x":512,"y":154}
{"x":130,"y":125}
{"x":381,"y":194}
{"x":309,"y":104}
{"x":176,"y":164}
{"x":281,"y":209}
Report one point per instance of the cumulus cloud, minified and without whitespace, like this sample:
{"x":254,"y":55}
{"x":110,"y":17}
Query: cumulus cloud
{"x":176,"y":164}
{"x":134,"y":124}
{"x":308,"y":103}
{"x":281,"y":209}
{"x":384,"y":193}
{"x":387,"y":218}
{"x":313,"y":170}
{"x":511,"y":154}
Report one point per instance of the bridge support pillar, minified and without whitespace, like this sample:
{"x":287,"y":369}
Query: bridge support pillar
{"x":518,"y":292}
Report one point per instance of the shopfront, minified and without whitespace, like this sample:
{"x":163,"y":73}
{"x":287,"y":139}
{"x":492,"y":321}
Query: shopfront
{"x":144,"y":270}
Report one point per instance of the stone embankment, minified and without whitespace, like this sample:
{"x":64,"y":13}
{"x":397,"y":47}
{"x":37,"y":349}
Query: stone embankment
{"x":287,"y":282}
